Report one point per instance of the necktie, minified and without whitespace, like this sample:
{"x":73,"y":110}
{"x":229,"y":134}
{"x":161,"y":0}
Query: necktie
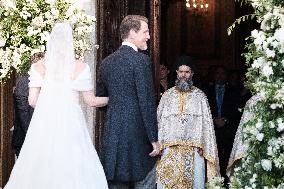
{"x":220,"y":89}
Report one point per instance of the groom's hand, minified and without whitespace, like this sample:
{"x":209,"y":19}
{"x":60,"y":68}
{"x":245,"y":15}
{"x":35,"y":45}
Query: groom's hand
{"x":156,"y":149}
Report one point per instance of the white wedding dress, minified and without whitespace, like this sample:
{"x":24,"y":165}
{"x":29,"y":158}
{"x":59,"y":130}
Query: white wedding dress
{"x":58,"y":152}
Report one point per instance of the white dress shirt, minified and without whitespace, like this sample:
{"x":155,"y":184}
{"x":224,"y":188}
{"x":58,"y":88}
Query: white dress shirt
{"x":130,"y":45}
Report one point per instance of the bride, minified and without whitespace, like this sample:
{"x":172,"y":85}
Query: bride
{"x":58,"y":152}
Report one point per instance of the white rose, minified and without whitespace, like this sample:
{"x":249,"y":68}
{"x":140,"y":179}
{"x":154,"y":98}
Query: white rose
{"x":2,"y":41}
{"x":280,"y":127}
{"x":54,"y":12}
{"x":282,"y":63}
{"x":264,"y":24}
{"x":44,"y":36}
{"x":259,"y":38}
{"x":264,"y":45}
{"x":256,"y":64}
{"x":253,"y":131}
{"x":8,"y":4}
{"x":258,"y":41}
{"x":277,"y":163}
{"x":38,"y":21}
{"x":266,"y":164}
{"x":42,"y":48}
{"x":50,"y":1}
{"x":35,"y":51}
{"x":267,"y":70}
{"x":274,"y":44}
{"x":279,"y":34}
{"x":279,"y":120}
{"x":252,"y":180}
{"x":281,"y":20}
{"x":271,"y":125}
{"x":25,"y":14}
{"x":70,"y":11}
{"x":270,"y":53}
{"x":259,"y":125}
{"x":255,"y":3}
{"x":259,"y":136}
{"x":273,"y":106}
{"x":30,"y":31}
{"x":254,"y":33}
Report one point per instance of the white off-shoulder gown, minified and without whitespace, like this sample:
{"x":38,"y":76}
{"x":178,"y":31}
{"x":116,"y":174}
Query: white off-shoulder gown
{"x":58,"y":152}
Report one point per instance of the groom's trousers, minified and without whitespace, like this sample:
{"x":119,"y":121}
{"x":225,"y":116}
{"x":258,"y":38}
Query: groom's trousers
{"x":149,"y":182}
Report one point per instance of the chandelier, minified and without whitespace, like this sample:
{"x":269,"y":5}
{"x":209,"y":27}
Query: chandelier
{"x":197,"y":7}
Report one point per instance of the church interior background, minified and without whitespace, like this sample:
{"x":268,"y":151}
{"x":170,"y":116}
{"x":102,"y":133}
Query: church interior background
{"x":175,"y":31}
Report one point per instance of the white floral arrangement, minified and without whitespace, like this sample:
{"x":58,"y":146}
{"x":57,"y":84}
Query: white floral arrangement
{"x":25,"y":26}
{"x":263,"y":167}
{"x":215,"y":183}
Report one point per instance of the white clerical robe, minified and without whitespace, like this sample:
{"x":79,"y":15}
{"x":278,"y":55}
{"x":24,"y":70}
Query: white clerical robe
{"x":185,"y":125}
{"x":239,"y":149}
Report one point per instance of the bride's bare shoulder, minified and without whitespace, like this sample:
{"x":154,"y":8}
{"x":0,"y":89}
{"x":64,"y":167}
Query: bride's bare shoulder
{"x":79,"y":67}
{"x":40,"y":68}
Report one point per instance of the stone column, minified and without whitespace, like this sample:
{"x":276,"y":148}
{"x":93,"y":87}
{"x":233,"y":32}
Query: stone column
{"x":90,"y":7}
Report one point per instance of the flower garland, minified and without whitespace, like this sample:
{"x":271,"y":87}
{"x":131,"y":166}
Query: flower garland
{"x":25,"y":26}
{"x":263,"y":167}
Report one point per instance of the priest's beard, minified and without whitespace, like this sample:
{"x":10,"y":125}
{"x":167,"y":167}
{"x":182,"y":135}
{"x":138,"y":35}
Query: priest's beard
{"x":184,"y":85}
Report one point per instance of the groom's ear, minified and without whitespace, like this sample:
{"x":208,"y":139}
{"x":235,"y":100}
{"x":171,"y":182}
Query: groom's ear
{"x":131,"y":34}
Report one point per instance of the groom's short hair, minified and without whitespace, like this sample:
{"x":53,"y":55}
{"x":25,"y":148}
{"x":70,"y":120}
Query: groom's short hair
{"x":131,"y":22}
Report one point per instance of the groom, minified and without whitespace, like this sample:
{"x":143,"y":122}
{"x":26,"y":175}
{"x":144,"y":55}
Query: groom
{"x":130,"y":135}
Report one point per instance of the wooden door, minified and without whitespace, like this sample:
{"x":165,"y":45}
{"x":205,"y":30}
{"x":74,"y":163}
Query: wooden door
{"x":6,"y":124}
{"x":109,"y":15}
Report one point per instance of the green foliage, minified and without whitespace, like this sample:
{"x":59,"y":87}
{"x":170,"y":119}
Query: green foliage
{"x":278,"y":2}
{"x":239,"y":20}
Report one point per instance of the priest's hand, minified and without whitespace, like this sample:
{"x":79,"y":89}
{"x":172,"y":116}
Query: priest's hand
{"x":200,"y":151}
{"x":156,"y":149}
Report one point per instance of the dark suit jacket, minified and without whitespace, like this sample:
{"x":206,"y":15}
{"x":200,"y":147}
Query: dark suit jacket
{"x":225,"y":135}
{"x":229,"y":111}
{"x":131,"y":125}
{"x":23,"y":113}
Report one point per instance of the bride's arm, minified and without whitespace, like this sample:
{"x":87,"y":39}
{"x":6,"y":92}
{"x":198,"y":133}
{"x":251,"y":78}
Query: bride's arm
{"x":33,"y":95}
{"x":92,"y":100}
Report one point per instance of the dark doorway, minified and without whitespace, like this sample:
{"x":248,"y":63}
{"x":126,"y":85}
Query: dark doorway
{"x":175,"y":32}
{"x":204,"y":36}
